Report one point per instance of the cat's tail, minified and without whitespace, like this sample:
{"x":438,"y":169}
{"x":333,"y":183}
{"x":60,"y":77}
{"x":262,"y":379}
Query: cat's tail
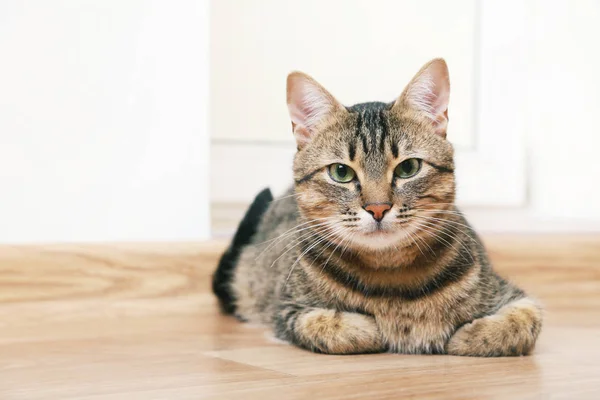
{"x":222,"y":277}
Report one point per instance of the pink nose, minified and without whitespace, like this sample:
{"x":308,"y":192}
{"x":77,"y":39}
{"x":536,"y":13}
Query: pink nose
{"x":377,"y":210}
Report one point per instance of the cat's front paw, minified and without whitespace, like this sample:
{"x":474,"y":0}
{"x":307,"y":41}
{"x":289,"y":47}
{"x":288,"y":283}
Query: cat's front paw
{"x":512,"y":331}
{"x":336,"y":332}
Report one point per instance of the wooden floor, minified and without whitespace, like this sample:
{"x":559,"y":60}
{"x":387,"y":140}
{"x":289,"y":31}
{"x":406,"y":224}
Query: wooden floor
{"x":139,"y":322}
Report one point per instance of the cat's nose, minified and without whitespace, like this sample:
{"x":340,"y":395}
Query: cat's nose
{"x":377,"y":210}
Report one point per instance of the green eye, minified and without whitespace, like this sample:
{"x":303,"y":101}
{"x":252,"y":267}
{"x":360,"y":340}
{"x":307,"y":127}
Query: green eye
{"x":341,"y":173}
{"x":408,"y":168}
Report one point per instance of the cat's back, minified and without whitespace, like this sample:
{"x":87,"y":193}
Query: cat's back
{"x":263,"y":263}
{"x":282,"y":213}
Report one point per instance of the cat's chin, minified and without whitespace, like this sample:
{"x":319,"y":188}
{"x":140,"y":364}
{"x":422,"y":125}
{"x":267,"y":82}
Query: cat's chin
{"x":381,"y":239}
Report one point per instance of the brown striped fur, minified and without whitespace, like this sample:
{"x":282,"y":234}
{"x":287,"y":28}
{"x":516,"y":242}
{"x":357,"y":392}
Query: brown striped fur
{"x":324,"y":275}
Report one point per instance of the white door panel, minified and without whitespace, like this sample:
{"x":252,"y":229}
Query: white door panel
{"x":361,"y":51}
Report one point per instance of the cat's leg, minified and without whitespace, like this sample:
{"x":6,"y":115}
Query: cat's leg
{"x":328,"y":331}
{"x":511,"y":331}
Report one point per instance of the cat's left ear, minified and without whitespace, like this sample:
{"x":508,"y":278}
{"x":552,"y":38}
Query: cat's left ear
{"x":309,"y":104}
{"x":428,"y":94}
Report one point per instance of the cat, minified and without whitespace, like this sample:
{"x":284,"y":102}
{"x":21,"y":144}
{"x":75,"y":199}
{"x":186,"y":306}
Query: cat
{"x":367,"y":252}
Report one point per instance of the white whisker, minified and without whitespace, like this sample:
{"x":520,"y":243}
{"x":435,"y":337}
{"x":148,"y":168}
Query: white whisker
{"x":327,"y":236}
{"x":447,"y":232}
{"x":413,"y":240}
{"x":445,"y":220}
{"x":286,"y":197}
{"x":290,"y":232}
{"x":300,"y":240}
{"x":336,"y":247}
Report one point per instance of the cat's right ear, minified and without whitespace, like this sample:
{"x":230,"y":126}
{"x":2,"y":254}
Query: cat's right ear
{"x":309,"y":104}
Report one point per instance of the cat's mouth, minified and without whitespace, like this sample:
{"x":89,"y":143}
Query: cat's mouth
{"x":378,"y":230}
{"x":378,"y":234}
{"x":380,"y":237}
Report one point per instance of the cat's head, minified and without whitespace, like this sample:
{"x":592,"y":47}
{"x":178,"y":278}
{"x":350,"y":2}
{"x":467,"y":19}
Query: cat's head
{"x":371,"y":174}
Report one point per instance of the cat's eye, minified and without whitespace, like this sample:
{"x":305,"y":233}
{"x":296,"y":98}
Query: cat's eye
{"x":408,"y":168}
{"x":341,"y":173}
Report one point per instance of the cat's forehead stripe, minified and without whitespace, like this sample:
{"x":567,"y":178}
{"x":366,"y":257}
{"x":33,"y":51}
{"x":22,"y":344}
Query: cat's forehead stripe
{"x":384,"y":129}
{"x":372,"y":130}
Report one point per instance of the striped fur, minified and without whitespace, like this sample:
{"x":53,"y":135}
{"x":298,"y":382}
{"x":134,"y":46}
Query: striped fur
{"x":322,"y":274}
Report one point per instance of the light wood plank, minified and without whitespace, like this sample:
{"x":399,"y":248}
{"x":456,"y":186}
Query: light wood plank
{"x":138,"y":321}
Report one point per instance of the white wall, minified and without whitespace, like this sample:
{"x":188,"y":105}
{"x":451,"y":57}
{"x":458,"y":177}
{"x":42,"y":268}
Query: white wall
{"x":525,"y":93}
{"x":561,"y":101}
{"x":564,"y":104}
{"x":103,"y":120}
{"x":359,"y":50}
{"x":364,"y":50}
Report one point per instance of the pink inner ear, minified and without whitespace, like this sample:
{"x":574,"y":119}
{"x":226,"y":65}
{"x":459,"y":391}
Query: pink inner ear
{"x":301,"y":134}
{"x":430,"y":99}
{"x":429,"y":93}
{"x":300,"y":110}
{"x":308,"y":104}
{"x":440,"y":101}
{"x":296,"y":115}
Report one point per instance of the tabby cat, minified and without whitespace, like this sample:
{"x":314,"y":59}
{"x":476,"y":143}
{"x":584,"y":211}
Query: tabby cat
{"x":367,"y":252}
